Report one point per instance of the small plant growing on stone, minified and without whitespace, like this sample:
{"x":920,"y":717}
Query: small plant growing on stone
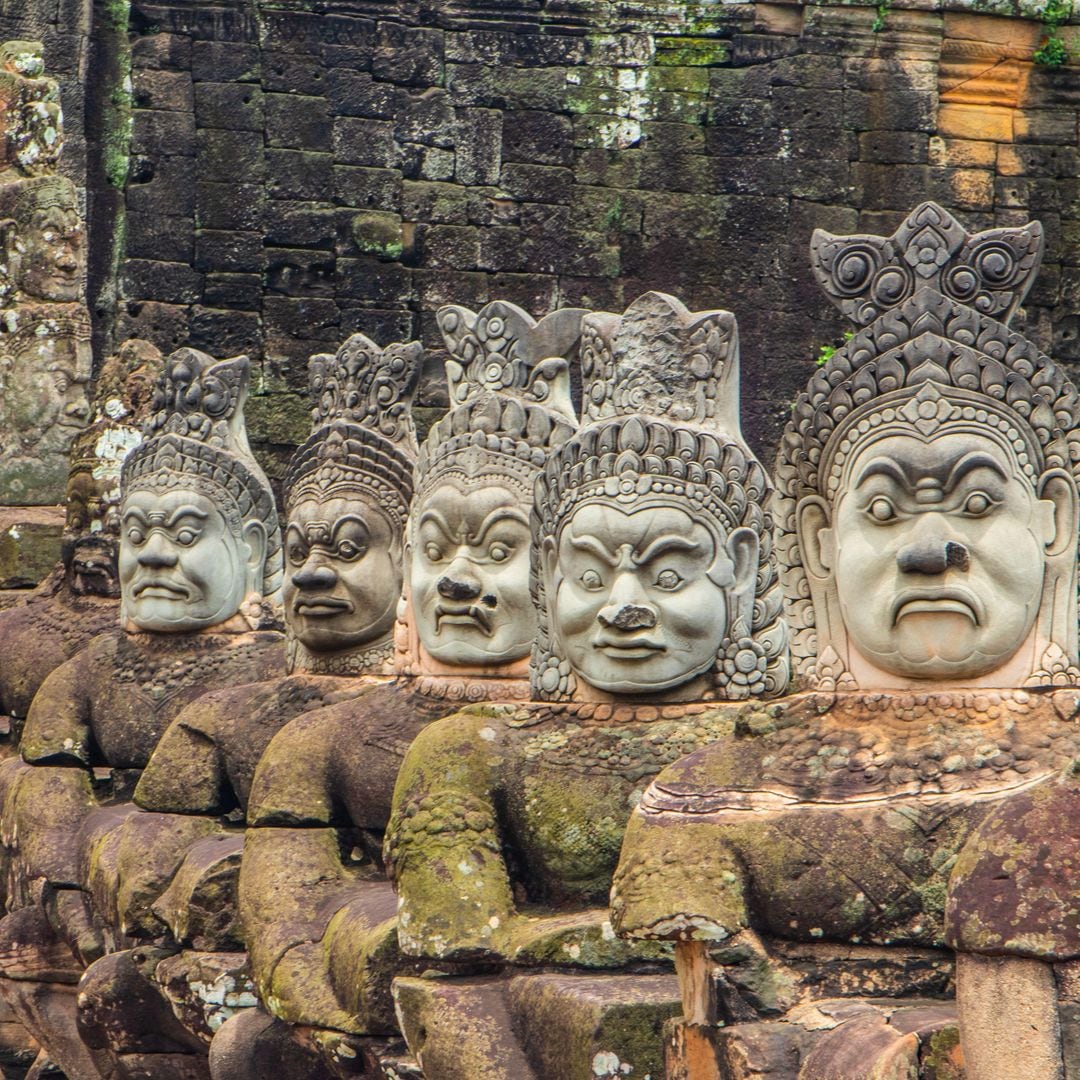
{"x":1053,"y":53}
{"x":883,"y":10}
{"x":826,"y":352}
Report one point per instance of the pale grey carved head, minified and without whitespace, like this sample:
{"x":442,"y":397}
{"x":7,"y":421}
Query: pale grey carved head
{"x":30,"y":114}
{"x":653,"y":567}
{"x":199,"y":531}
{"x":41,"y":240}
{"x":347,"y":495}
{"x":468,"y":540}
{"x":927,"y":482}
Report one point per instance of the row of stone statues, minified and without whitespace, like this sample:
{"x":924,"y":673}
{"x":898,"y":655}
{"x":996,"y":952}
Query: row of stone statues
{"x":566,"y":694}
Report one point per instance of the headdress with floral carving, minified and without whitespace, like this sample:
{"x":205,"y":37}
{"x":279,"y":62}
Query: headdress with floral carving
{"x":509,"y":385}
{"x":508,"y":378}
{"x":363,"y":438}
{"x":661,"y":391}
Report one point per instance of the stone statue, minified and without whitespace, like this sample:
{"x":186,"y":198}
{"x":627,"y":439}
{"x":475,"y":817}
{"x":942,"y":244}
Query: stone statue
{"x":30,"y":115}
{"x":659,"y":605}
{"x":927,"y":536}
{"x":80,"y":598}
{"x":200,"y":570}
{"x":319,"y":927}
{"x":347,"y":494}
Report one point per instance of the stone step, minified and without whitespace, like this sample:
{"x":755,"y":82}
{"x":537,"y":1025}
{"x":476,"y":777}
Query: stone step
{"x":536,"y":1026}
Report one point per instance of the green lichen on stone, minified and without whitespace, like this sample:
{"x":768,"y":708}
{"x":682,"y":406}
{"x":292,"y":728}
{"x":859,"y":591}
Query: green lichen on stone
{"x":939,"y":1056}
{"x":278,"y":418}
{"x":117,"y":118}
{"x":378,"y":233}
{"x":690,"y":52}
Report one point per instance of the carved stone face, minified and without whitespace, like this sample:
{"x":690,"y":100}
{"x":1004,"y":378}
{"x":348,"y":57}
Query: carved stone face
{"x":939,"y":553}
{"x":45,"y":253}
{"x":44,"y":379}
{"x":91,"y":566}
{"x":640,"y":599}
{"x":342,"y":573}
{"x":182,"y":567}
{"x":469,"y":574}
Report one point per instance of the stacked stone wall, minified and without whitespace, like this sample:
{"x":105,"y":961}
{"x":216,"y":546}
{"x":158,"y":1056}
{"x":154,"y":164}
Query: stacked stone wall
{"x":296,"y":173}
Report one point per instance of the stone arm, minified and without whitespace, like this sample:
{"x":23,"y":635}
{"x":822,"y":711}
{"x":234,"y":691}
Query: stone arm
{"x":186,"y":772}
{"x":444,"y":844}
{"x":678,"y":879}
{"x":58,"y":727}
{"x":293,"y":885}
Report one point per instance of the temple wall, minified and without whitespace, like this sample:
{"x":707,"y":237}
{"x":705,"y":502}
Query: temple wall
{"x":293,"y":176}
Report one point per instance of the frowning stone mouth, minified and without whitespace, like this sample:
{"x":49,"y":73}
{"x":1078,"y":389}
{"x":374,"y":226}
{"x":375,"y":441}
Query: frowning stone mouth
{"x":940,"y":601}
{"x":469,"y":615}
{"x":164,"y":589}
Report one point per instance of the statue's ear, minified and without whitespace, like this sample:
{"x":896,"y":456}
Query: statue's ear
{"x":1061,"y":510}
{"x":255,"y":541}
{"x":743,"y":548}
{"x":549,"y":565}
{"x":813,"y":527}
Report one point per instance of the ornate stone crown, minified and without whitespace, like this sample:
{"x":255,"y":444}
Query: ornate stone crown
{"x":509,"y":383}
{"x":362,"y":438}
{"x":935,"y":359}
{"x":661,"y":386}
{"x":991,"y":271}
{"x":196,"y":439}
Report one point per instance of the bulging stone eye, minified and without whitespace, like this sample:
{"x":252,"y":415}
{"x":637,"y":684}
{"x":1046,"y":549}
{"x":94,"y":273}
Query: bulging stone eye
{"x":592,"y":580}
{"x":977,"y":504}
{"x":348,"y":550}
{"x":882,"y":510}
{"x":668,"y":579}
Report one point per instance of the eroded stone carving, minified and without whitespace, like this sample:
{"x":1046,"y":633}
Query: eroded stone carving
{"x":30,"y":115}
{"x":80,"y":598}
{"x":347,"y":494}
{"x":199,"y":537}
{"x":323,"y":943}
{"x":469,"y":537}
{"x":44,"y":336}
{"x":655,"y":552}
{"x":651,"y":556}
{"x":926,"y":515}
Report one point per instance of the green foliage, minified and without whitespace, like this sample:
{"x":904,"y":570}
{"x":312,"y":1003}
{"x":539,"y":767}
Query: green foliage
{"x":1053,"y":53}
{"x":883,"y":10}
{"x":826,"y":352}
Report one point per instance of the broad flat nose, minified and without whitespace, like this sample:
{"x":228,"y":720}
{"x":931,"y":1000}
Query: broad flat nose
{"x":459,"y":582}
{"x":315,"y":576}
{"x":157,"y":552}
{"x":932,"y":557}
{"x":627,"y":617}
